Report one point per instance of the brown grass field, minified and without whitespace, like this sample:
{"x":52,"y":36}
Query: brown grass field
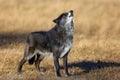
{"x":96,"y":51}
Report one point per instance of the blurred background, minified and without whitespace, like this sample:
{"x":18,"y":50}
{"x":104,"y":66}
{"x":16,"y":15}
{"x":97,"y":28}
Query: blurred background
{"x":92,"y":17}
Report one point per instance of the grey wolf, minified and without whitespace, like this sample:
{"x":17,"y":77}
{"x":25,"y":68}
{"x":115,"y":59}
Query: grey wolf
{"x":57,"y":43}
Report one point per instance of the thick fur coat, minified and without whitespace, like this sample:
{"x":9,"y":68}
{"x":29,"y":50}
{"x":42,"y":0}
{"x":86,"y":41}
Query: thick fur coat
{"x":56,"y":43}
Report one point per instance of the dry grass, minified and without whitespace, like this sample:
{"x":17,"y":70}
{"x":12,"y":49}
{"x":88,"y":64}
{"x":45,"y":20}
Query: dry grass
{"x":96,"y":51}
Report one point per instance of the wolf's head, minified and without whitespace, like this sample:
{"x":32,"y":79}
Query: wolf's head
{"x":64,"y":19}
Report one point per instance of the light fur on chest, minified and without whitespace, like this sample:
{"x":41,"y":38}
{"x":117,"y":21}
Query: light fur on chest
{"x":67,"y":46}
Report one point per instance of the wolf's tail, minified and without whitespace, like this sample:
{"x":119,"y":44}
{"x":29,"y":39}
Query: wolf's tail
{"x":32,"y":60}
{"x":30,"y":42}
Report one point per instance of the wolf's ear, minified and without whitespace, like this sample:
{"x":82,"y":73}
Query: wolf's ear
{"x":56,"y":20}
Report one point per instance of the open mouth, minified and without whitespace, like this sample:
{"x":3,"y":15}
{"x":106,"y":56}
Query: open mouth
{"x":71,"y":13}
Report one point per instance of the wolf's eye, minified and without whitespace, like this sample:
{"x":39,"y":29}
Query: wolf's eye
{"x":64,"y":14}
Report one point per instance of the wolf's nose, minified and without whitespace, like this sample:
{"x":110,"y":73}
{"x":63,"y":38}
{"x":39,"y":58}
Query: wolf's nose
{"x":71,"y":11}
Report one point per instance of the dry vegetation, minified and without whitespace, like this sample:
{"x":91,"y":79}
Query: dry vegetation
{"x":96,"y":51}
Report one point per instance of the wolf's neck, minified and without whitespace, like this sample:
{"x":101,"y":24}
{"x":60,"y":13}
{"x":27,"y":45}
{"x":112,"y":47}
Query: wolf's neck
{"x":66,"y":28}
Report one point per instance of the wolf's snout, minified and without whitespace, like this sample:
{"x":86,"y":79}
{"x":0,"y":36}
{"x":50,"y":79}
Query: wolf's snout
{"x":71,"y":11}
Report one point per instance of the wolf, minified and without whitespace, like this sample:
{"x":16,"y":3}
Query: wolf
{"x":57,"y":43}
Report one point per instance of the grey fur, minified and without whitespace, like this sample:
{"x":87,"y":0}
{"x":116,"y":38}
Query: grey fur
{"x":56,"y":43}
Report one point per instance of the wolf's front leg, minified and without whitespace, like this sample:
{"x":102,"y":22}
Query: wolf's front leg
{"x":65,"y":65}
{"x":56,"y":66}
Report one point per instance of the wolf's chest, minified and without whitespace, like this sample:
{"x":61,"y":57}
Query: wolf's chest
{"x":65,"y":48}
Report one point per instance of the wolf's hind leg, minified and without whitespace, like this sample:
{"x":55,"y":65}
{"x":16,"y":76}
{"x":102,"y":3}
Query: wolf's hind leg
{"x":21,"y":64}
{"x":38,"y":60}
